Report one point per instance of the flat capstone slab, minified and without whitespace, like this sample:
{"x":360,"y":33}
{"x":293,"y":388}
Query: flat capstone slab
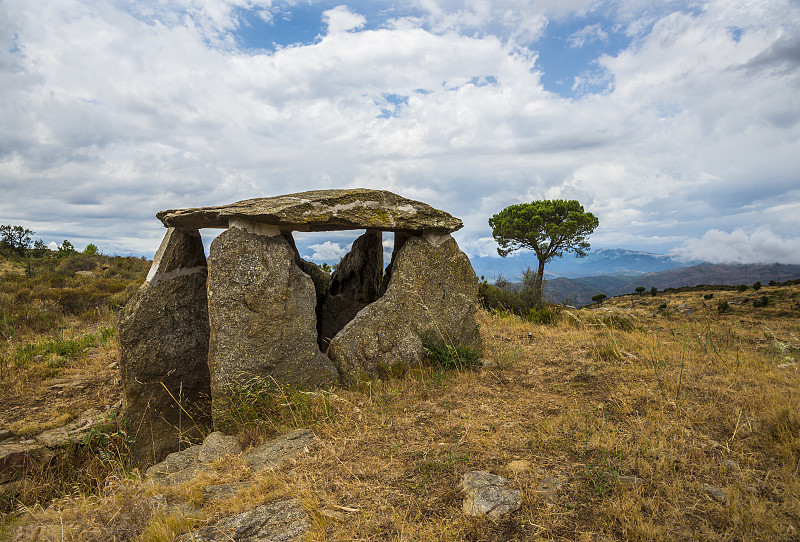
{"x":321,"y":210}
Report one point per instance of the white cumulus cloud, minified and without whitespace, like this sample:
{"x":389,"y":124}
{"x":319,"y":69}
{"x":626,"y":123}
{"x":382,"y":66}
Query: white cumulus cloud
{"x":739,"y":246}
{"x":341,"y":19}
{"x":327,"y":251}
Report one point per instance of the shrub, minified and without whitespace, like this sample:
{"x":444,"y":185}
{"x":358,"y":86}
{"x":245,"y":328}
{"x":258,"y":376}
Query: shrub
{"x":66,"y":249}
{"x":722,"y":306}
{"x":447,"y":355}
{"x":708,"y":296}
{"x":640,"y":290}
{"x":756,"y":286}
{"x":653,"y":291}
{"x":543,"y":315}
{"x":773,"y":283}
{"x":91,"y":250}
{"x":742,"y":287}
{"x":762,"y":302}
{"x":503,"y":296}
{"x":599,"y":298}
{"x":78,"y":262}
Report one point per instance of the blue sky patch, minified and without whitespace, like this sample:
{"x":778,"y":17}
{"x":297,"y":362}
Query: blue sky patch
{"x":391,"y":105}
{"x":569,"y":49}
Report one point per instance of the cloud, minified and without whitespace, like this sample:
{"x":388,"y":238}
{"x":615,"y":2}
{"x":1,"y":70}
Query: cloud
{"x":112,"y":114}
{"x":587,"y":34}
{"x":327,"y":251}
{"x":341,"y":19}
{"x":739,"y":246}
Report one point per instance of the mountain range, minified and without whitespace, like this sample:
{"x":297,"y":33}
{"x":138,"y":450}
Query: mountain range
{"x":605,"y":261}
{"x":616,"y":271}
{"x":579,"y":291}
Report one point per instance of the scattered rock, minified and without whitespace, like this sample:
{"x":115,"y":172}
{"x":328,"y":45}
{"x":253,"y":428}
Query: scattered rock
{"x":549,"y":489}
{"x":282,"y":521}
{"x":218,"y":445}
{"x":276,"y":451}
{"x":180,"y":467}
{"x":174,"y":462}
{"x":5,"y":434}
{"x":486,"y":495}
{"x":333,"y":514}
{"x":716,"y":493}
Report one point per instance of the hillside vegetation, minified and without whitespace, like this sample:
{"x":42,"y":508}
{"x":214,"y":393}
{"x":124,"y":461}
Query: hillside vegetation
{"x":666,"y":417}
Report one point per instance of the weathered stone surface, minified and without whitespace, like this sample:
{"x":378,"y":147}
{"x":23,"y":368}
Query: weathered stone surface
{"x":13,"y":458}
{"x":322,"y":210}
{"x":218,"y":445}
{"x":320,"y":278}
{"x":74,"y":431}
{"x":282,"y":521}
{"x":276,"y":451}
{"x":181,"y":251}
{"x":262,"y":313}
{"x":355,"y":283}
{"x":223,"y":492}
{"x":486,"y":495}
{"x":175,"y":462}
{"x":163,"y":337}
{"x":432,"y":293}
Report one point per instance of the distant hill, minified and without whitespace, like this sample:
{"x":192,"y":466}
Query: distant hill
{"x":605,"y":261}
{"x":579,"y":291}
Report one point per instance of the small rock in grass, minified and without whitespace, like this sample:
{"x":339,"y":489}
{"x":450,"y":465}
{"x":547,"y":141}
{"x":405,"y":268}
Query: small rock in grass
{"x":486,"y":495}
{"x":732,"y":465}
{"x":549,"y":488}
{"x":716,"y":493}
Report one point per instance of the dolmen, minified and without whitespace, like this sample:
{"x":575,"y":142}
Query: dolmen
{"x":199,"y":330}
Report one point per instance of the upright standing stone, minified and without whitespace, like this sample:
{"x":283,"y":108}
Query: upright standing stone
{"x":262,"y":314}
{"x":163,"y":338}
{"x":432,"y":295}
{"x":355,"y":283}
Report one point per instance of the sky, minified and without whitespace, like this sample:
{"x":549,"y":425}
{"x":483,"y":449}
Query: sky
{"x":677,"y":123}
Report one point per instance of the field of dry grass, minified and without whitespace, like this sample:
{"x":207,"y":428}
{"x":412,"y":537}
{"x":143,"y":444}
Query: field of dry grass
{"x":647,"y":418}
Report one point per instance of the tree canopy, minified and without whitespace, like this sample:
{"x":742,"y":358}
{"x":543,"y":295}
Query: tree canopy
{"x":548,"y":227}
{"x":15,"y":238}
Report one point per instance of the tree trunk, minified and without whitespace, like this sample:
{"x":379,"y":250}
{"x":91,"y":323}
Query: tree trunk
{"x":537,"y":285}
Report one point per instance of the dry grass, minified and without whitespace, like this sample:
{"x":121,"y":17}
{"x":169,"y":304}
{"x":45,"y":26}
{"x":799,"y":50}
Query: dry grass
{"x":635,"y":414}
